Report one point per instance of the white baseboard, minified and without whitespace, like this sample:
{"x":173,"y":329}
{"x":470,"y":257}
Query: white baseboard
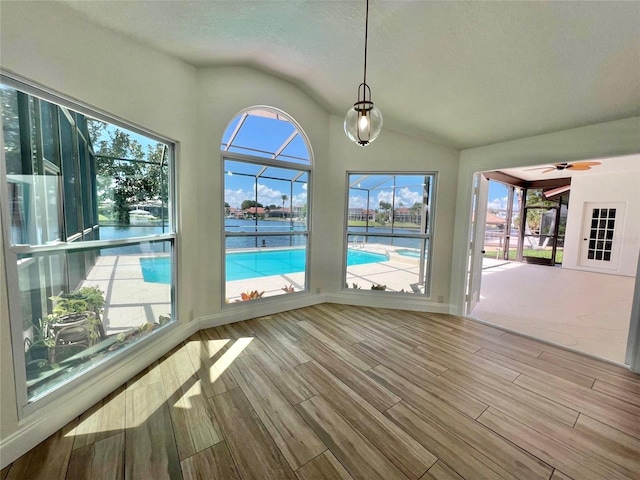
{"x":396,"y":302}
{"x":238,"y":312}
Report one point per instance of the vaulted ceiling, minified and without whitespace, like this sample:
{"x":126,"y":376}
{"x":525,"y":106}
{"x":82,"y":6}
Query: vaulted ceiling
{"x":456,"y":72}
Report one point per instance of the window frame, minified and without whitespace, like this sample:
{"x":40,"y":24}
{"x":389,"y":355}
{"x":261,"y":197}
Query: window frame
{"x":426,"y":236}
{"x":269,"y":162}
{"x":25,"y":407}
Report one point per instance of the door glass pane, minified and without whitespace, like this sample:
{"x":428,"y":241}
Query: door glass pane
{"x":600,"y":244}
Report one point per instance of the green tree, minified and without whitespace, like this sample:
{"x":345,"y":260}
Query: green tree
{"x":11,"y":129}
{"x":284,"y":199}
{"x":127,"y":172}
{"x":250,"y":203}
{"x":535,"y":198}
{"x":386,"y":208}
{"x":416,"y":210}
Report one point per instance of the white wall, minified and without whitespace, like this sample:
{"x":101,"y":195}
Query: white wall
{"x":609,"y":139}
{"x":611,"y":187}
{"x":47,"y":44}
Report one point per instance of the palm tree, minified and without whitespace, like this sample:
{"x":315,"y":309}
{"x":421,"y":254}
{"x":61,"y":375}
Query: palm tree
{"x":284,"y":199}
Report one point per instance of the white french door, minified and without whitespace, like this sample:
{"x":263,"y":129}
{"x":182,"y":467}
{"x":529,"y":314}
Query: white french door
{"x":602,"y":231}
{"x":476,"y":246}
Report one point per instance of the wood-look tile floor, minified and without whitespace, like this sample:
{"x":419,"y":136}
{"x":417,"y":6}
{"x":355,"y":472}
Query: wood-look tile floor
{"x":340,"y":392}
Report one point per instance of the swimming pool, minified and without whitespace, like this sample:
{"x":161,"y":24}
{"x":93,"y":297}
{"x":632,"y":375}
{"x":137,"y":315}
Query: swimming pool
{"x":260,"y":263}
{"x":405,"y":252}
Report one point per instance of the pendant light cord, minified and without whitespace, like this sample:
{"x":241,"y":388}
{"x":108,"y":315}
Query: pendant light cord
{"x":366,"y":34}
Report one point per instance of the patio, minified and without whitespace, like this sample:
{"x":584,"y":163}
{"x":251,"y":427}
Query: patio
{"x":130,"y":301}
{"x":586,"y":311}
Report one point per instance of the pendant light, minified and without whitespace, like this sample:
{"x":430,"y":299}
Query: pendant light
{"x":363,"y":121}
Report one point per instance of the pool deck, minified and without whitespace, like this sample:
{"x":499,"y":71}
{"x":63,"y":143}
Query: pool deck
{"x":131,"y":302}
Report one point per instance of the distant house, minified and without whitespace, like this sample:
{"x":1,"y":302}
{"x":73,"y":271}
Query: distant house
{"x":361,"y":214}
{"x":235,"y":213}
{"x":403,"y":214}
{"x":280,"y":213}
{"x":287,"y":212}
{"x":252,"y":212}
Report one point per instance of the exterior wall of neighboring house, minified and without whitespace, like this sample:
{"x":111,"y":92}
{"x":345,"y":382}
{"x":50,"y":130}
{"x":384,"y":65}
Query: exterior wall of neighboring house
{"x":361,"y":214}
{"x":609,"y":188}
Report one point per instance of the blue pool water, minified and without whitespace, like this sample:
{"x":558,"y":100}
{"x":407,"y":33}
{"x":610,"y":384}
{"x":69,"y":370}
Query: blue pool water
{"x":408,"y":253}
{"x":242,"y":265}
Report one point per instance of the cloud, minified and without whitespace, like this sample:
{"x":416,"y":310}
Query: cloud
{"x":268,"y":196}
{"x":498,"y":203}
{"x":235,"y":197}
{"x":408,"y":197}
{"x":383,"y":196}
{"x":299,"y":200}
{"x":405,"y":195}
{"x":358,"y":202}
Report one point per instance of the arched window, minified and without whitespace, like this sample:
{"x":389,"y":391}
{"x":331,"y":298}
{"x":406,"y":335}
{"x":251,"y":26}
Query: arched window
{"x":267,"y":172}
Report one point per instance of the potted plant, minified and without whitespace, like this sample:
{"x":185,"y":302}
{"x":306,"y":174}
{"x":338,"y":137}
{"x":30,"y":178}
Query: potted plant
{"x":75,"y":323}
{"x":37,"y":346}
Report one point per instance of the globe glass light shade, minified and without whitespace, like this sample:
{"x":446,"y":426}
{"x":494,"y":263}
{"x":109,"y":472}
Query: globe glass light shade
{"x":363,"y":123}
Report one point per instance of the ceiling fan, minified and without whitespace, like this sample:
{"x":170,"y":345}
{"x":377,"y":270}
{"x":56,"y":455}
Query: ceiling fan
{"x":566,"y":166}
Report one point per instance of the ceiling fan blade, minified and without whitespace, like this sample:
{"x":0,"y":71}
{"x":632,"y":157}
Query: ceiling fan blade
{"x":577,"y":166}
{"x":588,"y":164}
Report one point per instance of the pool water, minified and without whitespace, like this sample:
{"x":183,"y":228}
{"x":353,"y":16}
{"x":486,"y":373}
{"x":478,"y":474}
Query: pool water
{"x":243,"y":265}
{"x":408,"y":253}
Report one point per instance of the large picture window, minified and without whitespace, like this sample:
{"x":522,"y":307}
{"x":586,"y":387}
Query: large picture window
{"x":88,"y":236}
{"x":389,"y":231}
{"x":267,"y":170}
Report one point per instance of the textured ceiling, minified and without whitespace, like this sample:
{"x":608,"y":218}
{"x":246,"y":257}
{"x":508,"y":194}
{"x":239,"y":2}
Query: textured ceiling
{"x":460,"y":73}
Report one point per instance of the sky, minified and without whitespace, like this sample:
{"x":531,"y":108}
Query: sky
{"x":262,"y":136}
{"x":408,"y":191}
{"x":497,"y":196}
